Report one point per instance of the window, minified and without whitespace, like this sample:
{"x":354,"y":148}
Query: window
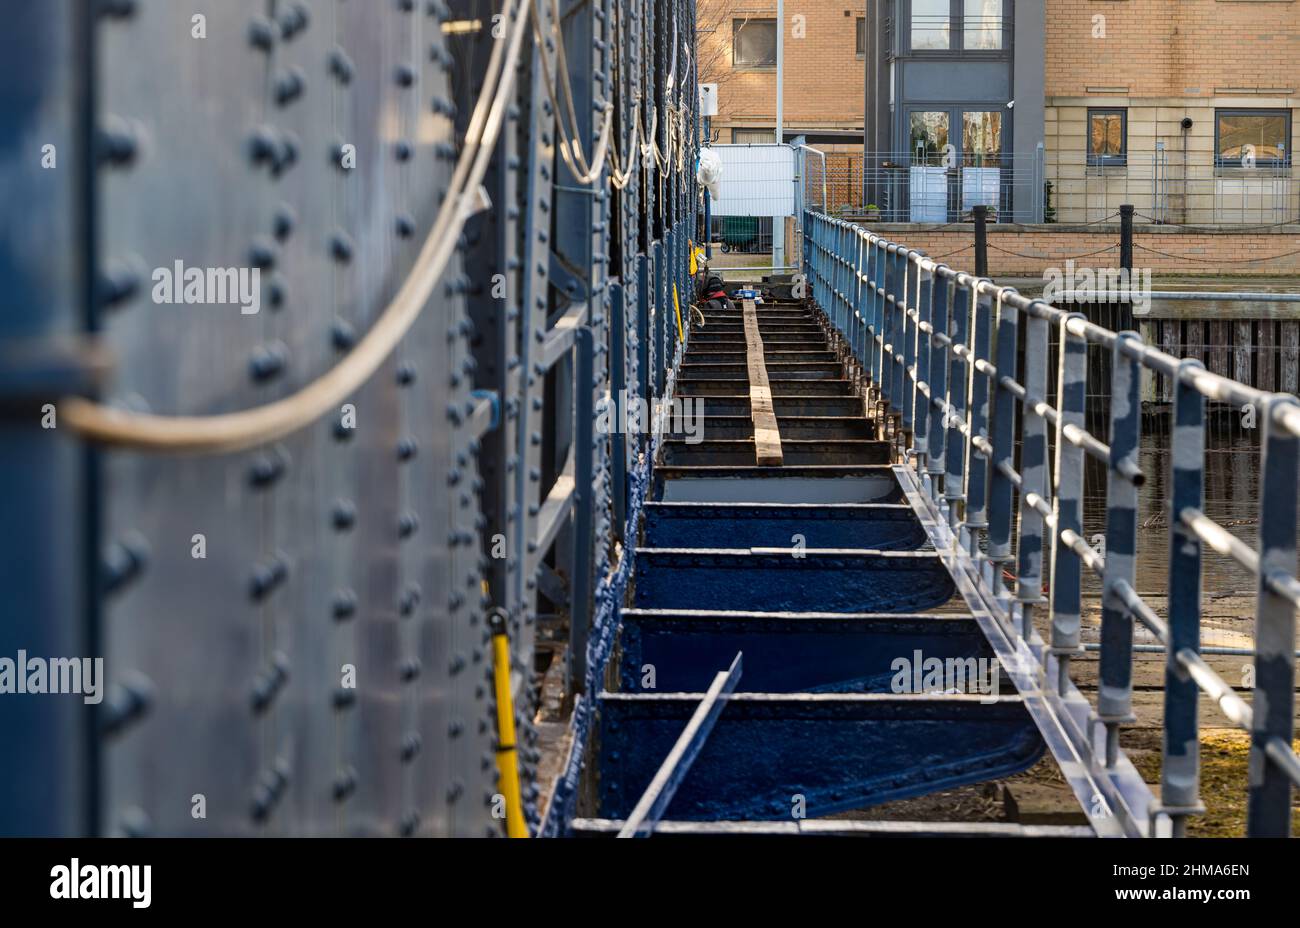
{"x":981,"y":138}
{"x":1245,"y":138}
{"x":929,"y":137}
{"x":1107,"y":137}
{"x":753,"y":136}
{"x":753,"y":43}
{"x":860,"y":42}
{"x":982,"y":25}
{"x":931,"y":25}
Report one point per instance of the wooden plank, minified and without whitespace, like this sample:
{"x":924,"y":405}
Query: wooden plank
{"x":1291,"y":357}
{"x":1242,"y":343}
{"x":1218,"y":356}
{"x":1195,"y":339}
{"x":1266,"y":363}
{"x":1169,"y":344}
{"x":767,"y":437}
{"x":1148,"y":328}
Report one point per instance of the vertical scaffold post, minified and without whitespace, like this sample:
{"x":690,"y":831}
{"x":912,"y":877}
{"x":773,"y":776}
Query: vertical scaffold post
{"x":1067,"y":496}
{"x":1268,"y":813}
{"x":954,"y":479}
{"x":1180,"y":769}
{"x":910,"y":295}
{"x":1005,"y":405}
{"x":1115,"y":694}
{"x":923,"y":388}
{"x":940,"y":298}
{"x":1033,"y":468}
{"x":898,"y":333}
{"x":977,"y":466}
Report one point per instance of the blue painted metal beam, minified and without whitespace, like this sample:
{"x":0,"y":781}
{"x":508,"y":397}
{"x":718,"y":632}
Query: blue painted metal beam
{"x":654,"y":802}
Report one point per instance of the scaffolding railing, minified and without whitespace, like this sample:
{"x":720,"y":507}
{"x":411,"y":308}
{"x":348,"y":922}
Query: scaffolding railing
{"x":961,"y":365}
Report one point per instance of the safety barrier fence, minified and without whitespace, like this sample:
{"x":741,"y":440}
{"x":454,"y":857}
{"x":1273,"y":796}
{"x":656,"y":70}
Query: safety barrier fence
{"x":962,"y":366}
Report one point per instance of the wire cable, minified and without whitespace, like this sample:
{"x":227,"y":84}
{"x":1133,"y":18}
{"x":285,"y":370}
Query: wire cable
{"x":249,"y":428}
{"x":1196,"y":260}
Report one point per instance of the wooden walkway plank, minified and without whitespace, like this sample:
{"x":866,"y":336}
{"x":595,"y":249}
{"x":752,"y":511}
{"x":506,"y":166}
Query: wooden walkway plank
{"x":767,"y":437}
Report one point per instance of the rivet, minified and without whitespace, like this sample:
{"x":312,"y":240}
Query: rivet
{"x":345,"y":604}
{"x":341,"y":247}
{"x":343,"y":334}
{"x":262,"y":33}
{"x":294,"y":19}
{"x":124,"y":561}
{"x":411,"y":745}
{"x":268,"y":361}
{"x":290,"y":85}
{"x":127,"y":703}
{"x":345,"y":783}
{"x":268,"y":468}
{"x":118,"y":144}
{"x":270,"y":682}
{"x":284,"y":221}
{"x":345,"y":515}
{"x":267,"y":576}
{"x":340,"y":65}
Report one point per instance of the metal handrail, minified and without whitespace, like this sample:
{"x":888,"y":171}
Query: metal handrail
{"x":939,"y":347}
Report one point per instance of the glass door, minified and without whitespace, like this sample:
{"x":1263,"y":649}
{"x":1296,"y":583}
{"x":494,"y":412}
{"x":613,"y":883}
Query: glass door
{"x":981,"y":173}
{"x":929,"y":158}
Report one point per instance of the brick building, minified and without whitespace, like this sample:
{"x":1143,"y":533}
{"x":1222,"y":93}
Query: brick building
{"x":823,"y":61}
{"x":1064,"y":109}
{"x":1184,"y":107}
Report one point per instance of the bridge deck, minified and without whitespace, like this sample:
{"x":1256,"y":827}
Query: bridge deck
{"x":869,"y":673}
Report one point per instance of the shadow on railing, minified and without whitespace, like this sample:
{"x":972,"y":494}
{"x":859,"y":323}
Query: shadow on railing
{"x":961,"y":365}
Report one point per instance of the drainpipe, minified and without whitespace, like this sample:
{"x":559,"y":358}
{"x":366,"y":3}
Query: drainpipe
{"x":780,"y":68}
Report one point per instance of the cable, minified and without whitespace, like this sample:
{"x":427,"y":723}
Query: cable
{"x":1197,"y":260}
{"x":1091,"y":254}
{"x":571,"y":149}
{"x":1217,"y":230}
{"x":252,"y":427}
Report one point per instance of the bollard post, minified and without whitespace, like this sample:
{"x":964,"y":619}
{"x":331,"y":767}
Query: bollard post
{"x":1126,"y":236}
{"x":981,"y":241}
